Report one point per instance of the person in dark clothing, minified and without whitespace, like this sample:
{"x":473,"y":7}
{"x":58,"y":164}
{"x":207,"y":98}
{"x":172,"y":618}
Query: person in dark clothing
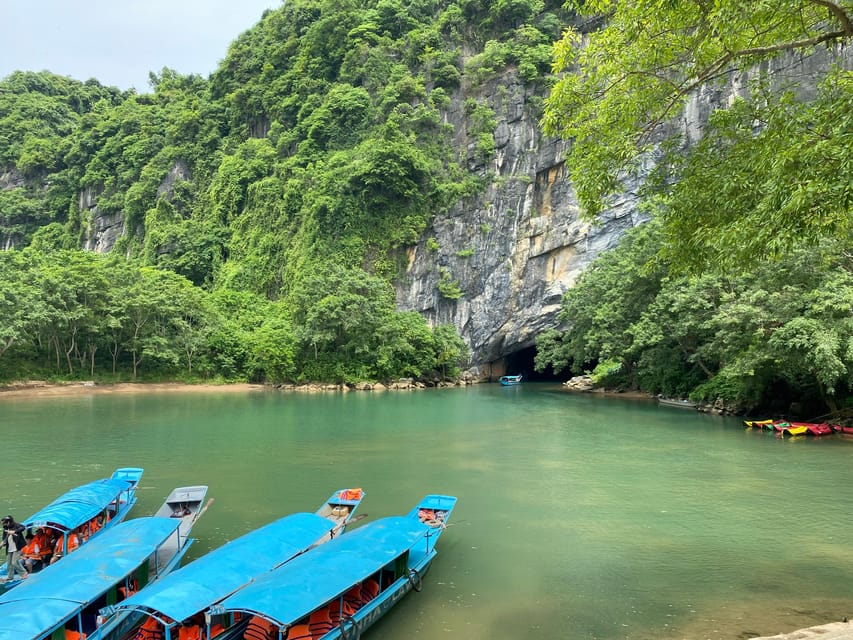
{"x":13,"y":542}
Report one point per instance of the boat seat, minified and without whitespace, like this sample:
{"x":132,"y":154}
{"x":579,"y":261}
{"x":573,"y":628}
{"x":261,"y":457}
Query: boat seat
{"x":259,"y":629}
{"x":299,"y":632}
{"x":369,"y":590}
{"x":320,"y":623}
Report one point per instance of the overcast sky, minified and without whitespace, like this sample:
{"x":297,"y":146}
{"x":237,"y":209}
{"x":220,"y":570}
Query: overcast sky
{"x":119,"y":41}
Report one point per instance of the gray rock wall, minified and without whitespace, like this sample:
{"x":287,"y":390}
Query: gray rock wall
{"x":526,"y":242}
{"x":519,"y":246}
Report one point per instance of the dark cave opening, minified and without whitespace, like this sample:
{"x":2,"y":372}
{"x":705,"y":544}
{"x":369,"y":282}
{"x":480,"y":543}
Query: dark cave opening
{"x":521,"y":361}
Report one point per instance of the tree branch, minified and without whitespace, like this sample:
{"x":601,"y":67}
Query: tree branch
{"x":839,"y":13}
{"x":708,"y":72}
{"x":795,"y":44}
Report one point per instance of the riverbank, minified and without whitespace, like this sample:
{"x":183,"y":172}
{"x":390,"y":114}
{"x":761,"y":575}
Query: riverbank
{"x":39,"y":388}
{"x":36,"y":388}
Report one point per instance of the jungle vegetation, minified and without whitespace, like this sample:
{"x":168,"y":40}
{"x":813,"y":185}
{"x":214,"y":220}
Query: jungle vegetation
{"x":740,"y":290}
{"x":266,"y":209}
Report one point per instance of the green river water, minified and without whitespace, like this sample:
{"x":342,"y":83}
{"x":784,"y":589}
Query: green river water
{"x":578,"y":517}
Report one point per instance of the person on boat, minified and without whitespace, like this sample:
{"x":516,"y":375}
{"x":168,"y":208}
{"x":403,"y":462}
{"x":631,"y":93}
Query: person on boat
{"x":95,"y":525}
{"x":36,"y":550}
{"x":60,"y":547}
{"x":14,"y":542}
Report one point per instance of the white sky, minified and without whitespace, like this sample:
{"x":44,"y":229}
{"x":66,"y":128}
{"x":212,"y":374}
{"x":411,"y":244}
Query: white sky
{"x":118,"y":42}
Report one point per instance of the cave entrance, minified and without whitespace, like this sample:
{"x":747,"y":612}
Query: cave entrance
{"x":521,"y":361}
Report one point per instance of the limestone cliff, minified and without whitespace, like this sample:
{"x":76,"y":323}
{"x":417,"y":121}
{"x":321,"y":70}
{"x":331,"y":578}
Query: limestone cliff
{"x":516,"y":249}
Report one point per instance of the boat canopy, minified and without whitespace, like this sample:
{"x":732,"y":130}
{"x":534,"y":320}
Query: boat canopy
{"x":48,"y":598}
{"x":307,"y":582}
{"x":79,"y":505}
{"x":215,"y":575}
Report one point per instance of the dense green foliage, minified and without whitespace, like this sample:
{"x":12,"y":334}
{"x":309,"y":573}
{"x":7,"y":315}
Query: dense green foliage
{"x":776,"y":331}
{"x":296,"y":175}
{"x":73,"y":314}
{"x":266,"y":211}
{"x":739,"y":291}
{"x":635,"y":73}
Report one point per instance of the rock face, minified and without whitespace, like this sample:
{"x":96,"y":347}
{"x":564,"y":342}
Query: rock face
{"x":519,"y":246}
{"x":514,"y":250}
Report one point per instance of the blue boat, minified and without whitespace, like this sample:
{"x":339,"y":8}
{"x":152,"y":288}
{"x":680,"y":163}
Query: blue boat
{"x":61,"y":602}
{"x":180,"y":599}
{"x":338,"y":590}
{"x":105,"y":502}
{"x":508,"y":381}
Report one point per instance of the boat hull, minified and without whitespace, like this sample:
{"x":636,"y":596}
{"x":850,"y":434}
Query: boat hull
{"x":681,"y":404}
{"x":373,"y":611}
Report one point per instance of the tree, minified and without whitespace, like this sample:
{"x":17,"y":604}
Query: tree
{"x":19,"y":299}
{"x":610,"y":296}
{"x":622,"y":83}
{"x":273,"y":347}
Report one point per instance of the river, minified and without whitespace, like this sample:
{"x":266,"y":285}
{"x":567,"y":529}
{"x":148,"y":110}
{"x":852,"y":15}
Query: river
{"x":579,"y":516}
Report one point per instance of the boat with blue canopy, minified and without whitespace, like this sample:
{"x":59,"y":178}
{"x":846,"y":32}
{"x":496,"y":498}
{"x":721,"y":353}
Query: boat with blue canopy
{"x":85,"y":511}
{"x":177,"y":603}
{"x":337,"y":590}
{"x":509,"y":381}
{"x":62,"y":602}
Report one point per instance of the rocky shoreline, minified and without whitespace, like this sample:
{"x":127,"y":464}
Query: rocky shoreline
{"x":832,"y":631}
{"x":44,"y":388}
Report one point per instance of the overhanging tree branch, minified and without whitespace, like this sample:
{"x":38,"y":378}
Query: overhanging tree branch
{"x":839,"y":13}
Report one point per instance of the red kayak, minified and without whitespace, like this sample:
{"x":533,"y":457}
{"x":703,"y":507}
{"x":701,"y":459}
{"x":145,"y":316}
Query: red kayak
{"x":814,"y":429}
{"x":839,"y":429}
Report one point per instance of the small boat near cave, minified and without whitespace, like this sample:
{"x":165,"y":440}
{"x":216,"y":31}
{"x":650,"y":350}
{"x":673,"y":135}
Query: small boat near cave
{"x":509,"y":381}
{"x":786,"y":428}
{"x":338,"y":590}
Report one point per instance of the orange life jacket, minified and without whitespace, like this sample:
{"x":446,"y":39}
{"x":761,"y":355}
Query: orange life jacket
{"x":320,"y":623}
{"x":74,"y":635}
{"x":353,"y":598}
{"x":94,"y":525}
{"x":73,"y":543}
{"x":351,"y":494}
{"x":126,"y":590}
{"x":426,"y":514}
{"x":369,"y":590}
{"x":150,"y":630}
{"x":189,"y":632}
{"x":33,"y":548}
{"x":299,"y":632}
